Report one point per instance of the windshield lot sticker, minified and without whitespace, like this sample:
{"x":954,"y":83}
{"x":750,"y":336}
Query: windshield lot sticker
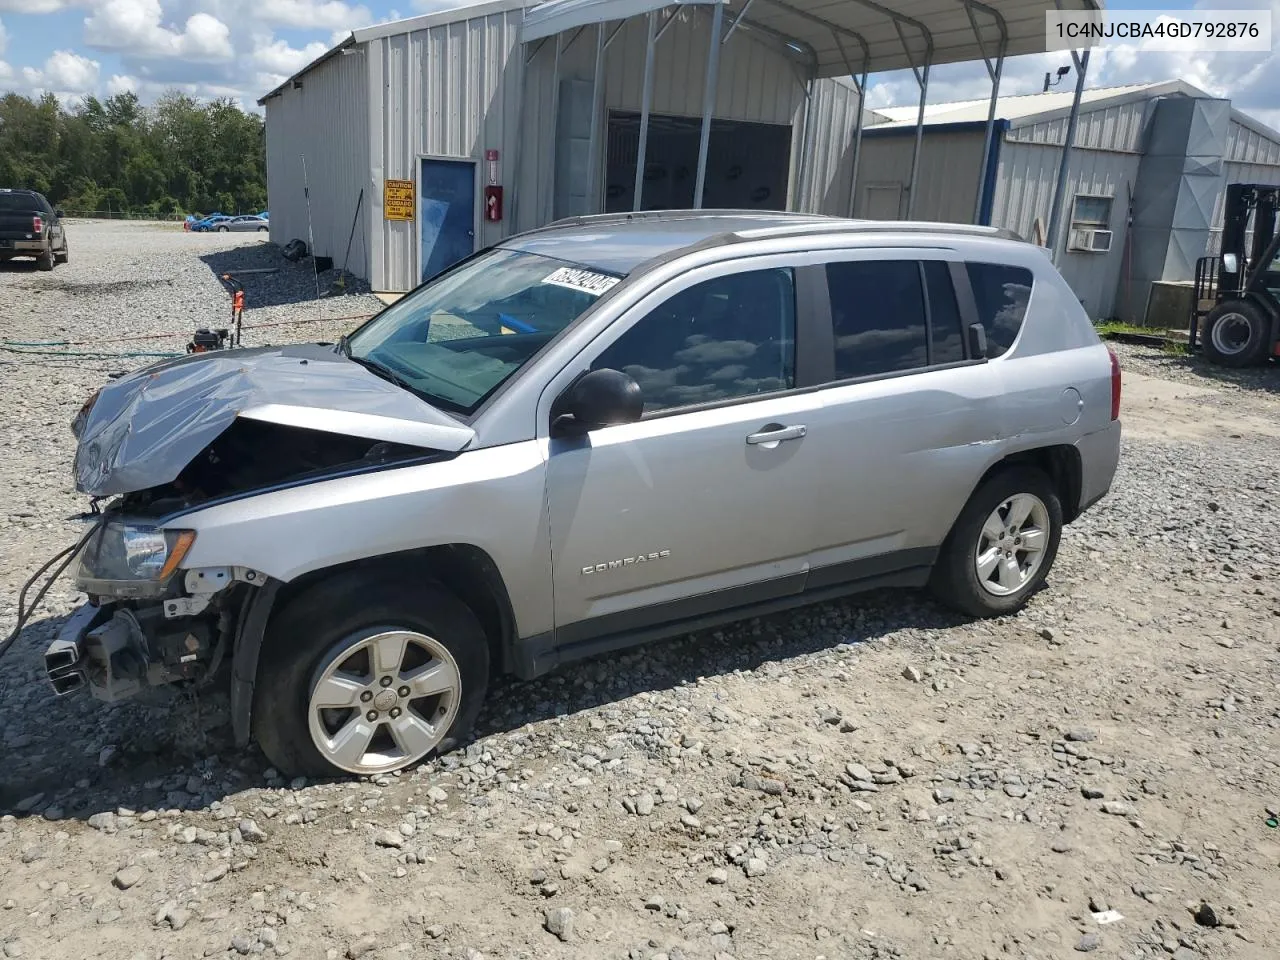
{"x":584,"y":280}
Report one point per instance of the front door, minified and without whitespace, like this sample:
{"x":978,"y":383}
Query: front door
{"x":447,"y":213}
{"x":708,"y":500}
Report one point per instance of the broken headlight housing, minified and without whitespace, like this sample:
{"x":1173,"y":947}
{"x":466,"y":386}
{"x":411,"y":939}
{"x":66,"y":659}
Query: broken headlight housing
{"x":135,"y":560}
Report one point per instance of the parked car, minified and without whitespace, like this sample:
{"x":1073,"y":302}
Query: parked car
{"x":242,"y":224}
{"x":31,"y":227}
{"x":209,"y":223}
{"x":595,"y":434}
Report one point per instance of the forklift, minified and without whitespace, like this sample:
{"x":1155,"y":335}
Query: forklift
{"x":1236,"y":306}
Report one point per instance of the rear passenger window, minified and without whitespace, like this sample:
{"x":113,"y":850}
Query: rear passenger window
{"x":946,"y":338}
{"x":1001,"y":292}
{"x":877,"y":311}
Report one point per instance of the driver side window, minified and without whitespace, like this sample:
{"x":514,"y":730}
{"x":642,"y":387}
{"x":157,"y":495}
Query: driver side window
{"x":721,"y":339}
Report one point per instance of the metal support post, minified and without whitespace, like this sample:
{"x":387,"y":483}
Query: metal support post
{"x":555,"y":129}
{"x":923,"y":80}
{"x":861,"y":84}
{"x":994,"y":73}
{"x":594,"y":145}
{"x":737,"y":20}
{"x":708,"y":102}
{"x":1055,"y":209}
{"x":645,"y":102}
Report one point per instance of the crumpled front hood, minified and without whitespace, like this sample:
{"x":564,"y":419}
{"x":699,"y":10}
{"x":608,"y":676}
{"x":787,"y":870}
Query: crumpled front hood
{"x":144,"y":428}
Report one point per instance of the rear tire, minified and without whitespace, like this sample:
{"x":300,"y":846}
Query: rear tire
{"x":1002,"y":545}
{"x":328,"y":633}
{"x":45,"y":260}
{"x":1237,"y":333}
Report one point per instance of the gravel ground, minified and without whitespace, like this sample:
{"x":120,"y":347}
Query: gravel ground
{"x":867,"y":779}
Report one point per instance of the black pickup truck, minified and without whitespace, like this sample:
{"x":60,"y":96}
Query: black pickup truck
{"x":31,"y":227}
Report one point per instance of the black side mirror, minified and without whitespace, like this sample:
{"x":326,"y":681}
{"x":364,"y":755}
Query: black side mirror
{"x":58,"y":213}
{"x":599,"y":398}
{"x":977,"y":341}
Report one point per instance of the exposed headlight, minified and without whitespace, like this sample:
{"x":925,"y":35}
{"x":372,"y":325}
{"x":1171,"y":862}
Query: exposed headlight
{"x":1230,"y":262}
{"x":131,"y":560}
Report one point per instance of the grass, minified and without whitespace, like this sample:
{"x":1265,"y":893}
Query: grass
{"x":1115,"y":326}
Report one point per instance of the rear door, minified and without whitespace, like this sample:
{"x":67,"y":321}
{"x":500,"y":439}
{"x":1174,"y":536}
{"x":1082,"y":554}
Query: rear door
{"x":907,"y":417}
{"x":708,"y":501}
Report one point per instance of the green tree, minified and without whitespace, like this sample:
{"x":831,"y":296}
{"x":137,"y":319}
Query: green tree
{"x":178,"y":154}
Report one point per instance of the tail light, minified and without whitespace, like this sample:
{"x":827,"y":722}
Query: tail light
{"x":1115,"y":384}
{"x":37,"y":224}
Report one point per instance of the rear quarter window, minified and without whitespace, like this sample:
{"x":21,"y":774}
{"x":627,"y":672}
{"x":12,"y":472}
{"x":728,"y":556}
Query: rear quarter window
{"x":1001,"y":293}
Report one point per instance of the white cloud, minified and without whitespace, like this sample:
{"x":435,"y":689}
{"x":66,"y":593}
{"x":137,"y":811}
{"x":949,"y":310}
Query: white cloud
{"x":4,"y":38}
{"x":65,"y":74}
{"x":133,"y":28}
{"x":278,"y":58}
{"x":312,"y":14}
{"x":32,"y":6}
{"x":120,"y":83}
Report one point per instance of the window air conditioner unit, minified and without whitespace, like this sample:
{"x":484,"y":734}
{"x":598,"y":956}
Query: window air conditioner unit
{"x":1090,"y":240}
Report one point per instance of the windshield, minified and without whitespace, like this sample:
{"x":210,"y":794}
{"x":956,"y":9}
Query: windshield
{"x":457,"y":339}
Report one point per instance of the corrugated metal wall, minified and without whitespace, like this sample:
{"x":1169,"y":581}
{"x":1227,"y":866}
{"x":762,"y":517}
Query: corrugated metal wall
{"x":1024,"y":192}
{"x":949,"y":172}
{"x":458,"y":89}
{"x":824,"y":183}
{"x":450,"y":91}
{"x":1251,"y":157}
{"x":327,"y":122}
{"x":1107,"y":128}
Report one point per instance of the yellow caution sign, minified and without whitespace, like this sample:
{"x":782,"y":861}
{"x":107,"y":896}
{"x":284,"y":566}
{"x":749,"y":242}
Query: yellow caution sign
{"x":398,"y":199}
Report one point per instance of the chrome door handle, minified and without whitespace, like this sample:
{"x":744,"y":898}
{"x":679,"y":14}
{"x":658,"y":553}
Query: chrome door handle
{"x":776,"y":434}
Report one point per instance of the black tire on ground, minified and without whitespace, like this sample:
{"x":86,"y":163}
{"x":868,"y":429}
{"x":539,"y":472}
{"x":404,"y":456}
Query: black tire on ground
{"x":45,"y":260}
{"x":63,"y":255}
{"x":955,"y":581}
{"x":304,"y":634}
{"x":262,"y":229}
{"x":222,"y":229}
{"x":1237,"y":333}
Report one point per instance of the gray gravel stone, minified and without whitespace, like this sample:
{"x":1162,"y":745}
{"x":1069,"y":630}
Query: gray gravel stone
{"x":558,"y":921}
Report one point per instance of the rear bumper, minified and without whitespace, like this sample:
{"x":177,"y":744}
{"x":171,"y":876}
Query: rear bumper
{"x":22,"y":246}
{"x":1099,"y":458}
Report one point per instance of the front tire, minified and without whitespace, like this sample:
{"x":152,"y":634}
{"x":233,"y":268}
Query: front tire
{"x":222,"y":229}
{"x":366,"y":676}
{"x":1002,"y":545}
{"x":1237,"y":334}
{"x":63,"y":255}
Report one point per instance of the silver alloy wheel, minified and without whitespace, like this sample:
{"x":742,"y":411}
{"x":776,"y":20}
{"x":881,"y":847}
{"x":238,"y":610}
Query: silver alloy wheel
{"x":384,"y":702}
{"x":1011,"y":546}
{"x":1231,"y":333}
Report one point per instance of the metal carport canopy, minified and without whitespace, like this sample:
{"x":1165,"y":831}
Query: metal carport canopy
{"x":839,"y":33}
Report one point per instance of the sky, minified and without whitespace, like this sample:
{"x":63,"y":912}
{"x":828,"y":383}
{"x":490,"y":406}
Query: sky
{"x":244,"y":48}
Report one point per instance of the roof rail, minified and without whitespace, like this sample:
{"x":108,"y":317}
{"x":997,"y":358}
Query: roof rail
{"x":879,"y":226}
{"x":596,"y":219}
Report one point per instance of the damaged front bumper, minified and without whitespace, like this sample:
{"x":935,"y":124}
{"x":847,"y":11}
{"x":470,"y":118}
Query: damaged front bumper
{"x":119,"y":648}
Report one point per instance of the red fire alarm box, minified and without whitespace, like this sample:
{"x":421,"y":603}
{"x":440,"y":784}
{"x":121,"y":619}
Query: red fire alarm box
{"x":493,"y":202}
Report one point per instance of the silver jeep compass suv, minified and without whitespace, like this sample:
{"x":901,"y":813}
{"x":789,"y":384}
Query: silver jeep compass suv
{"x":597,"y":433}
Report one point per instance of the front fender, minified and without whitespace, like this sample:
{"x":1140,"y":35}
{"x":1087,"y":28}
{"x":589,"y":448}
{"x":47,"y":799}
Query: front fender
{"x":492,"y":499}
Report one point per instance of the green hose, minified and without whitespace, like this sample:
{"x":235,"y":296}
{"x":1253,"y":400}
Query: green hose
{"x":85,"y":353}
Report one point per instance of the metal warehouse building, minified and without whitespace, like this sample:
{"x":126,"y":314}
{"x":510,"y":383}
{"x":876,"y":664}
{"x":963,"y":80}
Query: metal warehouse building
{"x":1144,"y":190}
{"x":411,"y":144}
